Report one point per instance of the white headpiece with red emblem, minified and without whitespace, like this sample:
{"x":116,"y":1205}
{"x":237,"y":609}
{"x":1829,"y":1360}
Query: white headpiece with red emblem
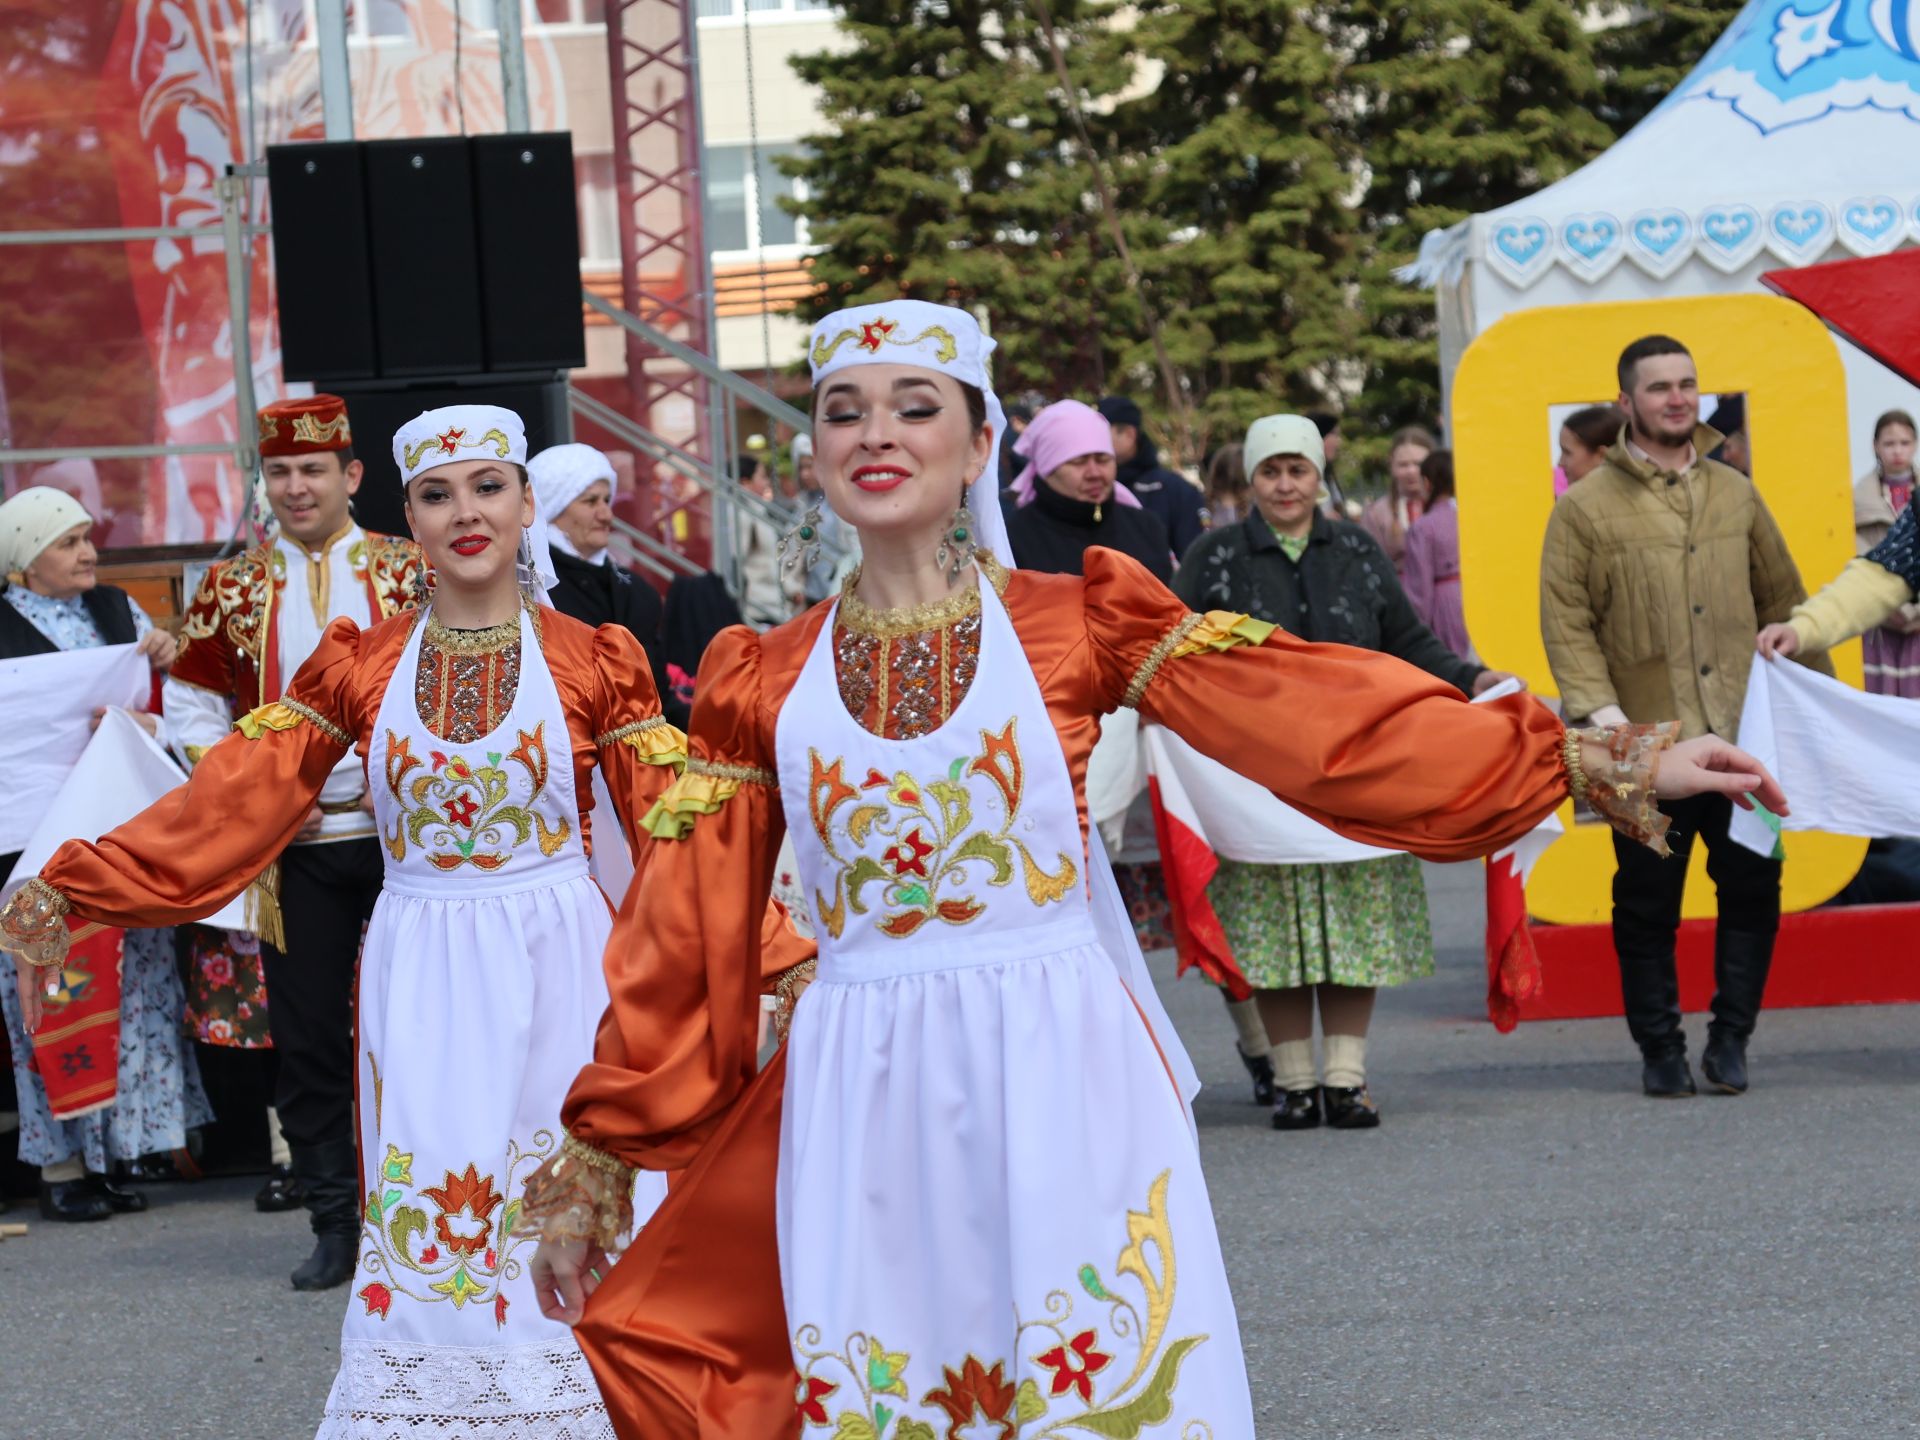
{"x":456,"y":433}
{"x":932,"y":337}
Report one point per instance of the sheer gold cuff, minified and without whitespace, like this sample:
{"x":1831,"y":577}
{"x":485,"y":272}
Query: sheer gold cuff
{"x":580,"y":1194}
{"x":33,"y":925}
{"x":1622,"y":792}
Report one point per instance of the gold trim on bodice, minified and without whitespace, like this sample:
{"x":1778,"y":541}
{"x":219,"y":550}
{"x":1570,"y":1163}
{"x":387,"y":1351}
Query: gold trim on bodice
{"x":489,"y":641}
{"x":861,"y":618}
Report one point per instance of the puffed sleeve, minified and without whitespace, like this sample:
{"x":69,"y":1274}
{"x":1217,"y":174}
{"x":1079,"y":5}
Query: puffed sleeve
{"x":680,"y":1038}
{"x":640,"y":752}
{"x":199,"y":846}
{"x":1362,"y":742}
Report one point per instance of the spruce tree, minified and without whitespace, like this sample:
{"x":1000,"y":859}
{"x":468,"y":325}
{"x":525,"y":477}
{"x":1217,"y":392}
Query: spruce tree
{"x":1460,"y":106}
{"x":949,"y":170}
{"x":1232,"y":167}
{"x":1653,"y":50}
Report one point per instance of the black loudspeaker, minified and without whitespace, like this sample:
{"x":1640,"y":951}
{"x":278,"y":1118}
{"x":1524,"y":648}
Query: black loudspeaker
{"x":426,"y":270}
{"x":321,"y":263}
{"x":378,"y":411}
{"x":529,"y":236}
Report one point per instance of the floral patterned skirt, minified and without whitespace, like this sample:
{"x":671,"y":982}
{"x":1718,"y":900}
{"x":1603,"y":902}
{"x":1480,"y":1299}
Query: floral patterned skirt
{"x":1362,"y":923}
{"x":226,"y":989}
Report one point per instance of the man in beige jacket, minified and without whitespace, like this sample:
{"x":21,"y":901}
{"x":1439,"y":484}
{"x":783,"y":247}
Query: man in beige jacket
{"x":1658,"y":569}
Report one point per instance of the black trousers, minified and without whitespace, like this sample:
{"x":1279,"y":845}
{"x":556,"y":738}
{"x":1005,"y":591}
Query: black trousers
{"x":327,"y":894}
{"x":1646,"y":922}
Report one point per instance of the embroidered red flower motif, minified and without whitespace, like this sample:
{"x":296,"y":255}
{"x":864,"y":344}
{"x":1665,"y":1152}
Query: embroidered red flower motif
{"x":461,"y":810}
{"x":500,"y":1311}
{"x":808,"y":1397}
{"x":430,"y":1254}
{"x":379,"y":1299}
{"x":1074,"y":1365}
{"x":874,"y":781}
{"x":450,"y":440}
{"x":910,"y":856}
{"x":490,"y":1260}
{"x":975,"y":1390}
{"x":873,"y":332}
{"x":472,"y":1195}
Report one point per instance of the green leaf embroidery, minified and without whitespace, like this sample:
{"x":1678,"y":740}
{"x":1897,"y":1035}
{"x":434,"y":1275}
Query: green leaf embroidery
{"x":865,"y":869}
{"x":1150,"y":1407}
{"x":915,"y":895}
{"x":955,"y":770}
{"x":914,"y":1430}
{"x":1028,"y":1403}
{"x":1090,"y":1282}
{"x":508,"y":1219}
{"x":854,"y":1426}
{"x":407,"y":1221}
{"x":982,"y":846}
{"x":956,"y":806}
{"x":882,"y":1417}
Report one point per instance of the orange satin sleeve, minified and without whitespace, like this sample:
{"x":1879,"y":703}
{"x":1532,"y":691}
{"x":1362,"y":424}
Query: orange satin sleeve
{"x":679,"y":1041}
{"x":197,"y":847}
{"x":1364,"y":743}
{"x":638,"y":752}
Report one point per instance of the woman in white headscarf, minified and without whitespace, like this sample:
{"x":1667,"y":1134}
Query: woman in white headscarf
{"x":967,"y":1197}
{"x":53,"y":601}
{"x":481,"y":718}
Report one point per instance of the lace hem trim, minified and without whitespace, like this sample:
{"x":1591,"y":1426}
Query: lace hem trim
{"x":446,"y":1392}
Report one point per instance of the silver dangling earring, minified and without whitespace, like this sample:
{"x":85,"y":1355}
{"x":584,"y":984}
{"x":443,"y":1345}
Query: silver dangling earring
{"x":957,"y":545}
{"x":800,"y":546}
{"x":523,"y":564}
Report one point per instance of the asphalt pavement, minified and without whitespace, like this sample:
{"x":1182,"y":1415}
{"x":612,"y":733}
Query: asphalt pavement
{"x":1525,"y":1248}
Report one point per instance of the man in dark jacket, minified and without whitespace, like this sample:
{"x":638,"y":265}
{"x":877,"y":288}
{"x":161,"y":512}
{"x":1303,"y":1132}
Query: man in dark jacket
{"x":1161,"y":492}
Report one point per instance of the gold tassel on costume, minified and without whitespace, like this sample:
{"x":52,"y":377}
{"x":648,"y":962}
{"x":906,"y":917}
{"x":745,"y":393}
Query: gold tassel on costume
{"x":263,"y":908}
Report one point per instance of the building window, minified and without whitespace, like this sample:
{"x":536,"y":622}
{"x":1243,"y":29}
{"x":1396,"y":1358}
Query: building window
{"x":733,"y":9}
{"x":599,"y":211}
{"x":743,"y":209}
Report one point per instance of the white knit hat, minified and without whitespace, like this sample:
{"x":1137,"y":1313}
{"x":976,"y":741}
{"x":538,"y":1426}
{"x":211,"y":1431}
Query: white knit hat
{"x":1284,"y":435}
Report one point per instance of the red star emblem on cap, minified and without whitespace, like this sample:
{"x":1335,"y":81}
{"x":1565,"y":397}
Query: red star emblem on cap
{"x":449,"y":441}
{"x":873,"y":332}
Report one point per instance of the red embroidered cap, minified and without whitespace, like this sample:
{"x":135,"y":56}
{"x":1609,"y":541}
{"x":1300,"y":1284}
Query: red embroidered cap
{"x":305,"y":426}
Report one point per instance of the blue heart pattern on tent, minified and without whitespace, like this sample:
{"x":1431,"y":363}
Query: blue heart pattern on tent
{"x":1799,"y":225}
{"x":1870,"y":220}
{"x":1658,"y":234}
{"x":1728,"y":230}
{"x":1590,"y":238}
{"x":1522,"y":244}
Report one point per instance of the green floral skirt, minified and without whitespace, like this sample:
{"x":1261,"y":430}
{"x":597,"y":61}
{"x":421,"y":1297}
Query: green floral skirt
{"x":1363,"y":923}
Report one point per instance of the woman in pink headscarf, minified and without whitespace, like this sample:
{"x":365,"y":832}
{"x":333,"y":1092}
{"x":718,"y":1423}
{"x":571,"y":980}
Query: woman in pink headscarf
{"x":1069,"y":497}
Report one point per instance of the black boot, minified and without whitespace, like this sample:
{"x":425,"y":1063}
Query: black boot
{"x":72,"y":1202}
{"x":329,"y":1175}
{"x":1666,"y":1074}
{"x":280,"y":1192}
{"x":1297,"y":1109}
{"x":1350,"y":1107}
{"x":1260,"y":1067}
{"x":123,"y":1200}
{"x":332,"y":1262}
{"x":1741,"y":960}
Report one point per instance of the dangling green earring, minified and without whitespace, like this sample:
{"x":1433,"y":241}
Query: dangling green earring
{"x":800,"y":546}
{"x":956,"y":541}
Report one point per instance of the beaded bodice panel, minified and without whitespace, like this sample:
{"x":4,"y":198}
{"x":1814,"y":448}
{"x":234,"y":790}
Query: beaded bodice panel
{"x":467,"y":679}
{"x":903,"y":672}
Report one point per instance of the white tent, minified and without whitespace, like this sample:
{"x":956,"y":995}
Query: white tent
{"x":1796,"y":139}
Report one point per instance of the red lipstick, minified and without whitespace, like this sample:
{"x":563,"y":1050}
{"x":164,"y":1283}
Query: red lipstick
{"x":470,"y":544}
{"x":878,"y":479}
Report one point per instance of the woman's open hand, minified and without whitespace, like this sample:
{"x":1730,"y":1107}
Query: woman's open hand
{"x":1710,"y":766}
{"x":565,"y":1273}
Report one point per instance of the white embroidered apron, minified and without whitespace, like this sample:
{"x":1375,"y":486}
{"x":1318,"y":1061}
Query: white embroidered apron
{"x":480,"y":990}
{"x":991,"y":1209}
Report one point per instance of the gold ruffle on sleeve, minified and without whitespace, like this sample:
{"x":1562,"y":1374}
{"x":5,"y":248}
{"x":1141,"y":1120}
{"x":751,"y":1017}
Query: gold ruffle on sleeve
{"x":1212,"y":632}
{"x":702,"y":789}
{"x":653,"y":740}
{"x":284,"y":715}
{"x":580,"y":1194}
